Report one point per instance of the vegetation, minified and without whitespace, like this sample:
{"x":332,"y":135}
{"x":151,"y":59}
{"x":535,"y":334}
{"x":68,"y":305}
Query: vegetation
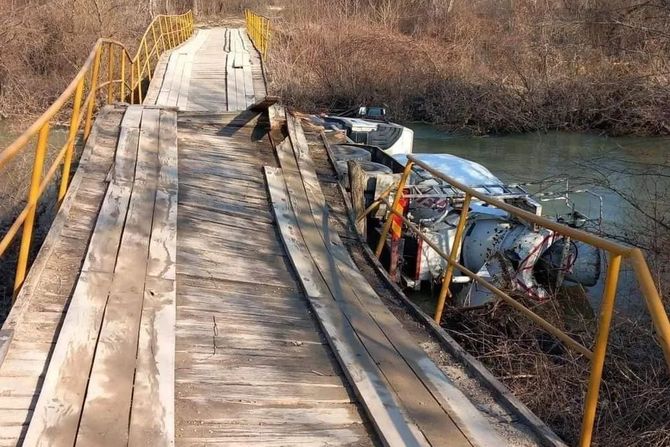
{"x":482,"y":65}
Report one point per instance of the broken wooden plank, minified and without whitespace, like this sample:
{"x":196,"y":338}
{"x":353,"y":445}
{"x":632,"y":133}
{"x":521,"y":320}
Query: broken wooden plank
{"x":460,"y":409}
{"x":368,"y":382}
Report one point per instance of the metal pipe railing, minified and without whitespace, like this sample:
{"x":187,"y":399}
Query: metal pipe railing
{"x":80,"y":99}
{"x":259,"y":30}
{"x":617,"y":253}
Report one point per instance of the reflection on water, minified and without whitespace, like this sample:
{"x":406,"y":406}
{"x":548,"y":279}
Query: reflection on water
{"x":617,"y":169}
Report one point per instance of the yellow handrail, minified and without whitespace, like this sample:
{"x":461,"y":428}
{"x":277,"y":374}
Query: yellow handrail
{"x":616,"y":251}
{"x":258,"y":28}
{"x":123,"y":75}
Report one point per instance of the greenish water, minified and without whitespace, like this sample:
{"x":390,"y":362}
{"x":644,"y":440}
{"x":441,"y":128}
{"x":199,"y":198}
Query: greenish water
{"x":636,"y":167}
{"x":631,"y":174}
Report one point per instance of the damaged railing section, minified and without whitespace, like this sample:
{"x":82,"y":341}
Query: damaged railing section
{"x":258,"y":28}
{"x":109,"y":74}
{"x":617,"y":252}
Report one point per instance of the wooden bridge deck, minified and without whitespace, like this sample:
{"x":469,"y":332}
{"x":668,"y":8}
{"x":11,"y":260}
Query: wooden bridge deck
{"x":190,"y":291}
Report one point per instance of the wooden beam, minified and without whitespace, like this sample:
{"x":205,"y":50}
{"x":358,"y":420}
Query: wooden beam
{"x":363,"y":374}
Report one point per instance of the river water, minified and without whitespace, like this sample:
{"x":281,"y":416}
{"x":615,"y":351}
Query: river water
{"x":626,"y":172}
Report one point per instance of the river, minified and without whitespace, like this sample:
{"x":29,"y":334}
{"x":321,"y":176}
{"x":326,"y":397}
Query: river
{"x":637,"y":167}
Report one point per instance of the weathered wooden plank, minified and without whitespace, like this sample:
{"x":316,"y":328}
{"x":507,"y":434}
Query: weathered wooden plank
{"x":57,"y":411}
{"x":183,"y":99}
{"x":239,"y":89}
{"x":105,"y":416}
{"x":152,"y":413}
{"x":249,"y":93}
{"x":168,"y":80}
{"x":62,"y":395}
{"x":231,"y":88}
{"x":192,"y":264}
{"x":287,"y":394}
{"x":432,"y":419}
{"x":368,"y":382}
{"x":176,"y":82}
{"x":415,"y":398}
{"x":223,"y":228}
{"x":163,"y":248}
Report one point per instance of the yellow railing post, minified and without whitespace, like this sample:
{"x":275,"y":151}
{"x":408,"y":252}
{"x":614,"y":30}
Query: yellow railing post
{"x":110,"y":73}
{"x":93,"y":93}
{"x":453,"y":256}
{"x":122,"y":92}
{"x":132,"y":81}
{"x":155,"y":47}
{"x":72,"y":134}
{"x":139,"y":82}
{"x":147,"y":62}
{"x":33,"y":196}
{"x":171,"y":31}
{"x":162,"y":32}
{"x":266,"y":39}
{"x":396,"y":200}
{"x":653,"y":301}
{"x":598,"y":360}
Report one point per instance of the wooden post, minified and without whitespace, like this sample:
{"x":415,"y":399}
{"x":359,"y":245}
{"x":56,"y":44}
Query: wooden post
{"x":358,"y":183}
{"x":396,"y":200}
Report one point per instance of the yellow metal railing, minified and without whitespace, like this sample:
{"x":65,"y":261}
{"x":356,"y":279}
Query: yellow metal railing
{"x":617,"y":252}
{"x":109,"y":72}
{"x":258,"y":28}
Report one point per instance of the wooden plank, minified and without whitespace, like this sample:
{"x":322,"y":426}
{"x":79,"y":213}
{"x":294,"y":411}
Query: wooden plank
{"x":238,"y":59}
{"x":169,"y":80}
{"x":368,"y":382}
{"x":248,"y":81}
{"x":176,"y":84}
{"x":57,"y":411}
{"x":152,"y":414}
{"x":416,"y":399}
{"x":239,"y":89}
{"x":182,"y":101}
{"x":105,"y":416}
{"x":157,"y":80}
{"x":231,"y":89}
{"x":61,"y":399}
{"x":163,"y":249}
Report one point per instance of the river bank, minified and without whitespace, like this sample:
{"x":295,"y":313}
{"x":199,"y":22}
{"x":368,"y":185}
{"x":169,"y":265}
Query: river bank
{"x":482,"y":67}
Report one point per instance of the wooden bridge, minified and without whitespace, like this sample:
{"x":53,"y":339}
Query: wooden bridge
{"x":193,"y":290}
{"x":201,"y":283}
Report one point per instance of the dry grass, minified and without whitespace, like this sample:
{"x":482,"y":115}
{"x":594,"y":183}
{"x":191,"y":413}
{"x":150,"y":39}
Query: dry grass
{"x":552,"y":381}
{"x":484,"y":66}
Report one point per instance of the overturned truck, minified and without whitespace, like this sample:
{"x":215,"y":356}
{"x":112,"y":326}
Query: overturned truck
{"x":512,"y":254}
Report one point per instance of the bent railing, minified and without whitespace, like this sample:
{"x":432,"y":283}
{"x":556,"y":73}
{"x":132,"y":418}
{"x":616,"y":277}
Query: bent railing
{"x":109,"y":72}
{"x":616,"y":251}
{"x":258,"y":28}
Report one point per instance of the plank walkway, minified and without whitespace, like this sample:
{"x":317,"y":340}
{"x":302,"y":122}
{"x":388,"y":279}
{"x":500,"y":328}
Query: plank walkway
{"x":191,"y":291}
